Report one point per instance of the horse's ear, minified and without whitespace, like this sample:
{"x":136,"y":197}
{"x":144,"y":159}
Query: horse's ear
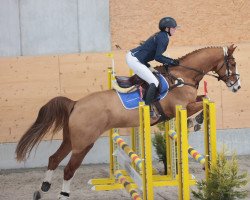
{"x":231,"y":49}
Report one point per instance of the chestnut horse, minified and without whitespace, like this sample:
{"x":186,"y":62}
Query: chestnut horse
{"x":84,"y":121}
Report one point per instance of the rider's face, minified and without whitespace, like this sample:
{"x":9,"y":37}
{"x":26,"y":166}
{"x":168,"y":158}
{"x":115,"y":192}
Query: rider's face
{"x":172,"y":31}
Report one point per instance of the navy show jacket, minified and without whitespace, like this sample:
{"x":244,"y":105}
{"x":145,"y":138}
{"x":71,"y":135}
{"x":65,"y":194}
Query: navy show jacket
{"x":152,"y":49}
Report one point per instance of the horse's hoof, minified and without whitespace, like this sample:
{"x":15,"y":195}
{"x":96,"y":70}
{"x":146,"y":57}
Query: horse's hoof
{"x":45,"y":186}
{"x":36,"y":195}
{"x":197,"y":127}
{"x":199,"y":118}
{"x":63,"y":196}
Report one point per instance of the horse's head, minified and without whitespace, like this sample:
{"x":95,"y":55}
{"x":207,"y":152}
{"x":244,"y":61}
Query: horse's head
{"x":227,"y":69}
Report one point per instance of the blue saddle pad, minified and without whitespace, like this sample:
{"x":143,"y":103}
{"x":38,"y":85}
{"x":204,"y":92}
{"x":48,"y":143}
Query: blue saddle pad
{"x":131,"y":100}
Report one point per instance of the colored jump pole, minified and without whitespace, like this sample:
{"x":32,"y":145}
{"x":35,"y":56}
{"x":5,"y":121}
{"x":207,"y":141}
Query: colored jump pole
{"x":171,"y":149}
{"x":135,"y":138}
{"x":209,"y":135}
{"x":195,"y":154}
{"x":125,"y":147}
{"x":111,"y":146}
{"x":182,"y":148}
{"x":146,"y":152}
{"x":127,"y":185}
{"x":145,"y":162}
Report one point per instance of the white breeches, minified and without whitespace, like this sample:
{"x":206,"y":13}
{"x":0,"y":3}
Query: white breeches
{"x":141,"y":70}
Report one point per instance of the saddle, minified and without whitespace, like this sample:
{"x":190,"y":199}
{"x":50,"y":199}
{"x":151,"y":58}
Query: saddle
{"x":135,"y":83}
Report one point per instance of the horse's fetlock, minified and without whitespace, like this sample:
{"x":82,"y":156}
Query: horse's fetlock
{"x":45,"y":186}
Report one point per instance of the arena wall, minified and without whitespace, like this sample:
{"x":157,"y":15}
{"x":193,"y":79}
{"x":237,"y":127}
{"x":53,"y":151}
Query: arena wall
{"x":28,"y":82}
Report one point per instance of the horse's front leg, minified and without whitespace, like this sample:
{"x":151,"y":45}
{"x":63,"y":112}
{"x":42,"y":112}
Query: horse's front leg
{"x":193,"y":108}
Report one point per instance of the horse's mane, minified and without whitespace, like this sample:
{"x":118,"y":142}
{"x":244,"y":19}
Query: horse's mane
{"x":160,"y":67}
{"x":196,"y":51}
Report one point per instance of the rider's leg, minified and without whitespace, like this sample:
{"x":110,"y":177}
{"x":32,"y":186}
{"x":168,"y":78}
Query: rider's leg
{"x":144,"y":73}
{"x":150,"y":94}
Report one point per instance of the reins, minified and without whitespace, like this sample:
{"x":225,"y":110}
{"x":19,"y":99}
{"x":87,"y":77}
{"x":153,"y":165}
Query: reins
{"x":202,"y":73}
{"x":179,"y":81}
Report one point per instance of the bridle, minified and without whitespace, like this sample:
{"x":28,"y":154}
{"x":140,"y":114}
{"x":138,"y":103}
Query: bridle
{"x":215,"y":74}
{"x":228,"y":74}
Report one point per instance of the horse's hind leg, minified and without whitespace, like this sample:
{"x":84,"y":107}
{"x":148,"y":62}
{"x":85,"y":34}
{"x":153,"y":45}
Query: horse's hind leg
{"x":70,"y":169}
{"x":54,"y":161}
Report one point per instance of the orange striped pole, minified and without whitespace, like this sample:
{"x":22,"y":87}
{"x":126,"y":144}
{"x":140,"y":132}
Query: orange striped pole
{"x":195,"y":154}
{"x":127,"y":185}
{"x":124,"y":146}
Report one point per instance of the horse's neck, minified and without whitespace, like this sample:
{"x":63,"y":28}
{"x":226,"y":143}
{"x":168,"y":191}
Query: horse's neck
{"x":204,"y":61}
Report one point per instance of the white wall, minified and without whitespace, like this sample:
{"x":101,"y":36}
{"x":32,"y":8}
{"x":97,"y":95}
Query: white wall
{"x":9,"y":28}
{"x":29,"y":27}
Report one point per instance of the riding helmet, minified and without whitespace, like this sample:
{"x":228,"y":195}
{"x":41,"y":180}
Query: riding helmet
{"x":167,"y":22}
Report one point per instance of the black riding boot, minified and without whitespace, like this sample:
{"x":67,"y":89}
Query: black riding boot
{"x":151,"y":93}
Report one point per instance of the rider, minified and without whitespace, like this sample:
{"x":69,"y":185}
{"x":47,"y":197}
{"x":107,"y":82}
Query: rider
{"x":152,"y":49}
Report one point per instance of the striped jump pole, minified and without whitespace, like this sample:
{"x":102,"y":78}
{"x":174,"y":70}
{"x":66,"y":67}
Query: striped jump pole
{"x":196,"y":155}
{"x":143,"y":163}
{"x":125,"y":147}
{"x":127,"y":185}
{"x":192,"y":152}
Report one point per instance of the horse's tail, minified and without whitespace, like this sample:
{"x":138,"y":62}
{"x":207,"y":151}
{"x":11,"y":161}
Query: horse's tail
{"x":57,"y":112}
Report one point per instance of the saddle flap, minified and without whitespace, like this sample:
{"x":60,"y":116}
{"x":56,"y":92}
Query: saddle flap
{"x":123,"y":81}
{"x":126,"y":82}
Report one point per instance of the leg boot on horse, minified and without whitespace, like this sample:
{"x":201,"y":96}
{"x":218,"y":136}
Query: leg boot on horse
{"x":70,"y":170}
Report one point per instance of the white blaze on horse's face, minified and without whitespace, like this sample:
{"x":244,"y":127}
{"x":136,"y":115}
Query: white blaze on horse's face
{"x":233,"y":83}
{"x":231,"y":72}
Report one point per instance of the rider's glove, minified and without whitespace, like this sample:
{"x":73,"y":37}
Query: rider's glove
{"x":152,"y":69}
{"x":174,"y":62}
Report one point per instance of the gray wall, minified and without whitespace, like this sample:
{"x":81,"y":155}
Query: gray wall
{"x":9,"y":28}
{"x":38,"y":27}
{"x":236,"y":140}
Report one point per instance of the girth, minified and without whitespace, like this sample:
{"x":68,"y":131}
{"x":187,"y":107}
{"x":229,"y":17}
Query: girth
{"x":163,"y":117}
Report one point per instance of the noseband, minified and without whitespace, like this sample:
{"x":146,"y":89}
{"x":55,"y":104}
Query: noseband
{"x":227,"y":76}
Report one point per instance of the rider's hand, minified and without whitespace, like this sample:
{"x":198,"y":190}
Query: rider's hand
{"x":152,"y":69}
{"x":174,"y":62}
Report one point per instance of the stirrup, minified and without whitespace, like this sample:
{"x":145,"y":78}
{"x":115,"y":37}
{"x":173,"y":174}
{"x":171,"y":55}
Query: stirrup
{"x":154,"y":113}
